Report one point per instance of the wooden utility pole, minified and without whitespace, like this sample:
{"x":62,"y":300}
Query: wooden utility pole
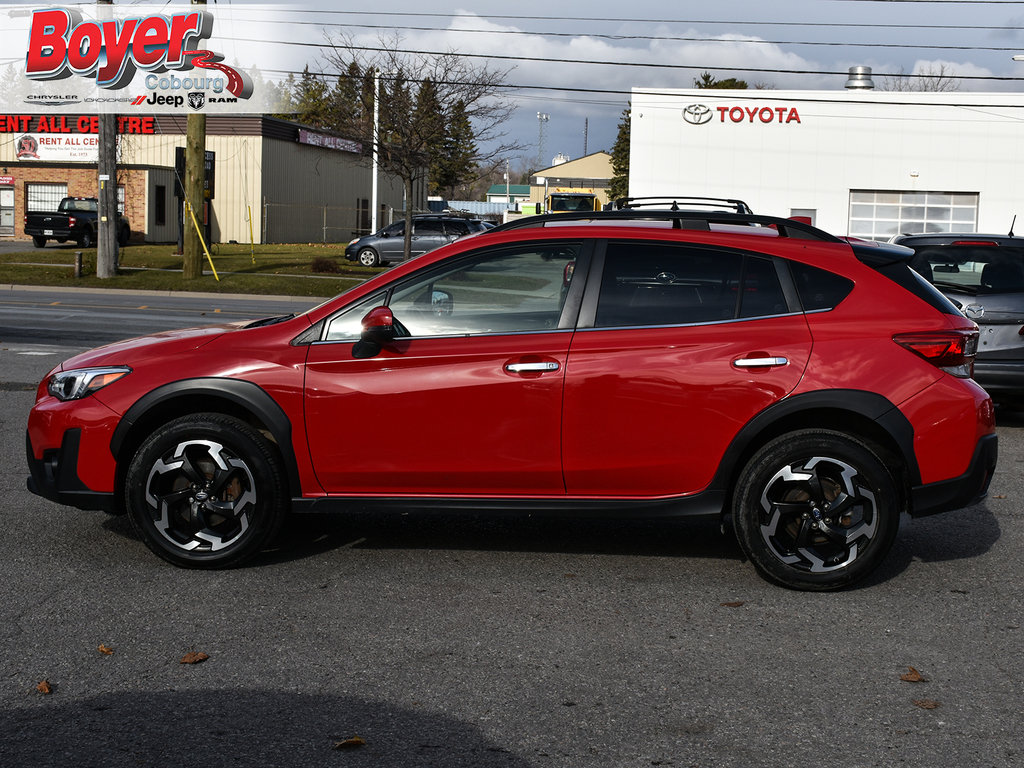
{"x":106,"y":166}
{"x":195,"y":152}
{"x":193,"y":186}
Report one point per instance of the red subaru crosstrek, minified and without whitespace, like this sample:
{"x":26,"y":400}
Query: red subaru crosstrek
{"x":805,"y":388}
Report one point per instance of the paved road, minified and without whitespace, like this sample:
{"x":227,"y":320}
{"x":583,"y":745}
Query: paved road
{"x":474,"y":641}
{"x":82,"y":318}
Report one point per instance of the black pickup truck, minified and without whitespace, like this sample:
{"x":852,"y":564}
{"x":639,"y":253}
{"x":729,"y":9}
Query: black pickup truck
{"x":74,"y":219}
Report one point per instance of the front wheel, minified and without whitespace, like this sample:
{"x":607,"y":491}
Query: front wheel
{"x":816,"y":510}
{"x":369,"y":258}
{"x":206,"y":491}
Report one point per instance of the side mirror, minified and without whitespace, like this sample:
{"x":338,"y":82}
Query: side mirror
{"x":378,"y":330}
{"x":378,"y":326}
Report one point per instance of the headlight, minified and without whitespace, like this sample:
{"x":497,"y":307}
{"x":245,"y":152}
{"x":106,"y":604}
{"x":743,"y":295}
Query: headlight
{"x":74,"y":385}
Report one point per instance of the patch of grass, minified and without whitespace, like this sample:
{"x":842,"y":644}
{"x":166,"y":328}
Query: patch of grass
{"x":283,"y":270}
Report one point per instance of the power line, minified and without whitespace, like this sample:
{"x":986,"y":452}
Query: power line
{"x":732,"y":22}
{"x":655,"y":38}
{"x":647,"y":65}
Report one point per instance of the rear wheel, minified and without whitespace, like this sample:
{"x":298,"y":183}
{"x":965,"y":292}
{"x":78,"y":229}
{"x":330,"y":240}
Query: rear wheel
{"x":38,"y":242}
{"x":369,"y":258}
{"x":206,"y":491}
{"x":123,"y":236}
{"x":816,"y":510}
{"x":86,"y":239}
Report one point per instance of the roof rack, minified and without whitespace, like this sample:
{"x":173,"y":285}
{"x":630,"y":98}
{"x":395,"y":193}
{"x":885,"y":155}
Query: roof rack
{"x":685,"y":202}
{"x":681,"y":219}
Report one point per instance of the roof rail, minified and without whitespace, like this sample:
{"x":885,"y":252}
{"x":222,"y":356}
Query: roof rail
{"x":682,"y":219}
{"x":674,"y":203}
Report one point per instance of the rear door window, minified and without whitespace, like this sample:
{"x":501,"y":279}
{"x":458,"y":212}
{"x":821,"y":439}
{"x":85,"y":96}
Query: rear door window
{"x":648,"y":284}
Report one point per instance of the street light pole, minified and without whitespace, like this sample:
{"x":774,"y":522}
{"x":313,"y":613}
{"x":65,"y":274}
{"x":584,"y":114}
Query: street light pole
{"x":376,"y":144}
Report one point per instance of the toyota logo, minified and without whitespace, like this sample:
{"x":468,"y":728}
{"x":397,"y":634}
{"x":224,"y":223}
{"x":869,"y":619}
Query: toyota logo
{"x":697,"y":114}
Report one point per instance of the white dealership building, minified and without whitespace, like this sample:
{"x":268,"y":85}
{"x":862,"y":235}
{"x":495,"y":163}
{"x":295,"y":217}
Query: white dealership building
{"x":861,"y":162}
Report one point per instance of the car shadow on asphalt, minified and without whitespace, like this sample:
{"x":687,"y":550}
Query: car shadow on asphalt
{"x":239,"y":727}
{"x":962,"y":534}
{"x":958,"y":535}
{"x":308,"y":534}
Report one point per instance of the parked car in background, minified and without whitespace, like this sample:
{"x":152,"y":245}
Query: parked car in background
{"x":75,"y":219}
{"x":984,"y":276}
{"x":387,"y":245}
{"x":749,"y":369}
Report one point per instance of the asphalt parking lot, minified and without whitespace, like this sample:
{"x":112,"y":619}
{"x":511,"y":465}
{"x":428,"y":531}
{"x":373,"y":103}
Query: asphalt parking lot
{"x":477,"y":641}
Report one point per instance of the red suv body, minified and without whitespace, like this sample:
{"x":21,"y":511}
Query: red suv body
{"x":754,"y":369}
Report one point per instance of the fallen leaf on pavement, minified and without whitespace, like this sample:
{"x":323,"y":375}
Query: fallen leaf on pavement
{"x":926,"y":704}
{"x":106,"y":649}
{"x":355,"y":741}
{"x":913,"y":676}
{"x":45,"y":688}
{"x":194,"y":657}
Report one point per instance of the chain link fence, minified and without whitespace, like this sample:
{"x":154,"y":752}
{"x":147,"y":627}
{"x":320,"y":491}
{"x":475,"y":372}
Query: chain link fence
{"x":290,"y":223}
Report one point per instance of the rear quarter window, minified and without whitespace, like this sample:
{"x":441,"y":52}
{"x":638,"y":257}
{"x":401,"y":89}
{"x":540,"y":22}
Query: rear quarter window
{"x":819,"y":289}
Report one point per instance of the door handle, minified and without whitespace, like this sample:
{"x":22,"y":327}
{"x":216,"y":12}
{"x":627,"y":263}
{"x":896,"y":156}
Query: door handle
{"x":760,"y":362}
{"x":531,"y":367}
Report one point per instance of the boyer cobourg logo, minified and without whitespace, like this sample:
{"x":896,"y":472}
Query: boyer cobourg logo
{"x":112,"y":52}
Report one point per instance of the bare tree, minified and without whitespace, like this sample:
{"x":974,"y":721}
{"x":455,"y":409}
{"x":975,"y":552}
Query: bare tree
{"x":938,"y":78}
{"x":418,"y":92}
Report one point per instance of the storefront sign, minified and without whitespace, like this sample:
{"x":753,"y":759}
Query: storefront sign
{"x":54,"y":147}
{"x":699,"y":114}
{"x":6,"y":181}
{"x":71,"y":124}
{"x":331,"y":142}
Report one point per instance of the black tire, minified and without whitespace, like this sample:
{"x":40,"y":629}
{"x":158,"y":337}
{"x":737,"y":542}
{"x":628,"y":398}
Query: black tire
{"x":816,"y":510}
{"x":86,"y":240}
{"x":206,"y":491}
{"x":123,"y":236}
{"x":368,"y":257}
{"x":38,"y":241}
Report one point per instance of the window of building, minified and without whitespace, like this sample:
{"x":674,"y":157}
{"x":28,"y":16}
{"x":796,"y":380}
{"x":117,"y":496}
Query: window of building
{"x":876,"y":215}
{"x":120,"y":199}
{"x":160,"y":205}
{"x":44,"y":197}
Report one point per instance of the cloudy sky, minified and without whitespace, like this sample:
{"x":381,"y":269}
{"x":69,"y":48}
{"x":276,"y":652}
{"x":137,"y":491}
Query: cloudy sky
{"x":577,"y":61}
{"x":786,"y":44}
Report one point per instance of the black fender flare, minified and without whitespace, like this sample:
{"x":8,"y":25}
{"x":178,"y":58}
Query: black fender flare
{"x":867,"y":405}
{"x":244,"y":394}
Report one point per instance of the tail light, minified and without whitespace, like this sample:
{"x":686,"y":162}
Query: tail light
{"x":71,"y":221}
{"x":953,"y":351}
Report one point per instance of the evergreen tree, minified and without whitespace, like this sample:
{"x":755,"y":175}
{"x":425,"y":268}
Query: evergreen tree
{"x":345,"y":102}
{"x":452,"y":166}
{"x":619,"y":184}
{"x":312,"y":100}
{"x":706,"y":80}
